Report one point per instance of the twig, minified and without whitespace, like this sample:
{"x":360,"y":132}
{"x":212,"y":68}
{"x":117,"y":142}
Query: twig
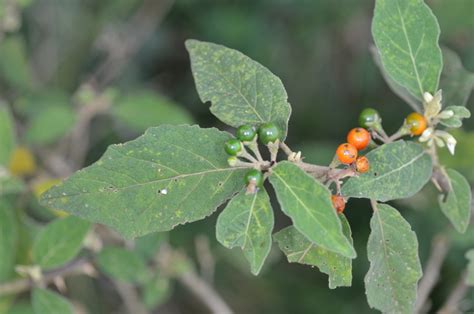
{"x":130,"y":298}
{"x":76,"y":267}
{"x":457,"y":295}
{"x":205,"y":258}
{"x":439,"y":248}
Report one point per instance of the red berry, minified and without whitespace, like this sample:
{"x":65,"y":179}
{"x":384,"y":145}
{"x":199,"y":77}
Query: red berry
{"x":362,"y":164}
{"x":338,"y":203}
{"x":347,"y":153}
{"x":359,"y":137}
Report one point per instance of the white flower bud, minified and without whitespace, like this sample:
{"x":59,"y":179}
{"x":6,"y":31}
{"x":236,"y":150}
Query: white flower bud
{"x":427,"y":97}
{"x":426,"y":135}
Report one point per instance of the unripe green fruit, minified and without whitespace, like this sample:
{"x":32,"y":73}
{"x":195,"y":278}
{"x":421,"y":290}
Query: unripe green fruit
{"x":254,"y":176}
{"x":233,"y":147}
{"x":268,"y":133}
{"x":369,"y":117}
{"x":246,"y":133}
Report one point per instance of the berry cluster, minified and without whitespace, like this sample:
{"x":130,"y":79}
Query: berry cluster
{"x":246,"y":136}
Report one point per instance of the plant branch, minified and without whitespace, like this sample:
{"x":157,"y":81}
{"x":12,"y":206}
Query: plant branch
{"x":457,"y":295}
{"x":439,"y":248}
{"x":77,"y":267}
{"x":130,"y":298}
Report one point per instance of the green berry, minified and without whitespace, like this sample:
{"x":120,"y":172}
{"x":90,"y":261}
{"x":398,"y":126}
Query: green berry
{"x":255,"y":176}
{"x":246,"y":133}
{"x":233,"y":147}
{"x":369,"y":117}
{"x":268,"y":133}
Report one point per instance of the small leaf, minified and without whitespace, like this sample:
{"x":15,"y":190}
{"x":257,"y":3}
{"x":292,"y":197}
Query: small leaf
{"x":406,"y":34}
{"x":156,"y":291}
{"x":456,"y":120}
{"x":7,"y":135}
{"x":148,"y":245}
{"x":241,"y":91}
{"x":457,"y":205}
{"x":59,"y":242}
{"x":247,"y":222}
{"x":397,"y":170}
{"x":50,"y":125}
{"x":10,"y":185}
{"x":308,"y":203}
{"x":122,"y":264}
{"x":46,"y":301}
{"x":456,"y":82}
{"x":392,"y":249}
{"x":470,"y":268}
{"x":153,"y":183}
{"x":298,"y":249}
{"x":145,"y":109}
{"x":8,"y":241}
{"x":14,"y":67}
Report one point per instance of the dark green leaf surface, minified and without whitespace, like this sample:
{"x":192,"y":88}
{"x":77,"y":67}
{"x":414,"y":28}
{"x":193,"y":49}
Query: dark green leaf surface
{"x":395,"y":268}
{"x":308,"y":203}
{"x":456,"y":82}
{"x":457,"y":205}
{"x":59,"y":242}
{"x":470,"y":267}
{"x":298,"y":249}
{"x":406,"y":34}
{"x":247,"y":222}
{"x":153,"y":183}
{"x":145,"y":109}
{"x":7,"y":138}
{"x":241,"y":91}
{"x":49,"y":302}
{"x":397,"y":170}
{"x":122,"y":264}
{"x":50,"y":125}
{"x":8,"y":240}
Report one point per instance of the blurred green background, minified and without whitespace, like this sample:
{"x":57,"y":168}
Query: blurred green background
{"x":320,"y":50}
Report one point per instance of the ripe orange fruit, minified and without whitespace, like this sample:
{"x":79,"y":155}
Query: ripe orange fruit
{"x":359,"y":137}
{"x":416,"y":122}
{"x":347,"y":153}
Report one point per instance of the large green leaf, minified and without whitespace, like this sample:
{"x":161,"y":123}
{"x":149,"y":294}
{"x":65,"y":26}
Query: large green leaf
{"x":241,"y":91}
{"x":298,"y":249}
{"x":456,"y":82}
{"x":7,"y":137}
{"x":122,"y":264}
{"x":397,"y":170}
{"x":308,"y":203}
{"x":169,"y":176}
{"x":59,"y":242}
{"x":406,"y":34}
{"x":8,"y":240}
{"x":50,"y":125}
{"x":46,"y":301}
{"x":395,"y":268}
{"x":470,"y":267}
{"x":247,"y":222}
{"x":145,"y":109}
{"x":457,"y":204}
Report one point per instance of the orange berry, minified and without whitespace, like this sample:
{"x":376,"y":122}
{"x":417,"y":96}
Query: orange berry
{"x":347,"y":153}
{"x":416,"y":122}
{"x":359,"y":137}
{"x":338,"y":203}
{"x":362,"y":164}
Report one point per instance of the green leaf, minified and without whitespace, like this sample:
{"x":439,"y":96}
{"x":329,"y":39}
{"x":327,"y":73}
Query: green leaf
{"x":7,"y":135}
{"x":298,"y":249}
{"x":397,"y":170}
{"x":156,"y":292}
{"x":456,"y":120}
{"x":46,"y":301}
{"x":50,"y":125}
{"x":14,"y":65}
{"x":308,"y":203}
{"x":122,"y":264}
{"x":21,"y":307}
{"x":241,"y":91}
{"x":398,"y":89}
{"x":145,"y":109}
{"x":392,"y":249}
{"x":457,"y":204}
{"x":456,"y":82}
{"x":406,"y":34}
{"x":8,"y":241}
{"x":247,"y":222}
{"x":148,"y":245}
{"x":10,"y":185}
{"x":59,"y":242}
{"x":153,"y":183}
{"x":470,"y":268}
